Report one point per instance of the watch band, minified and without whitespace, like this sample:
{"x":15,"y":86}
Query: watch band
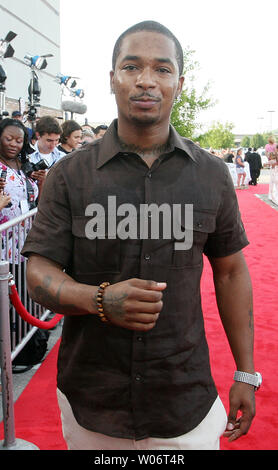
{"x":251,"y":379}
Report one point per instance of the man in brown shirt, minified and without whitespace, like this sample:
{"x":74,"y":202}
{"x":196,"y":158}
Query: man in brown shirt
{"x":143,"y":376}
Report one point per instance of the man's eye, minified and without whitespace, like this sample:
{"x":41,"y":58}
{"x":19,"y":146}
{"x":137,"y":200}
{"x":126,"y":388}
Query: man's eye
{"x":164,"y":70}
{"x":130,"y":67}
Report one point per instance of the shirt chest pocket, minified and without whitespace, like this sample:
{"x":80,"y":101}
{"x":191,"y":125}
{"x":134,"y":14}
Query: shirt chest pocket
{"x":93,"y":254}
{"x":188,"y":250}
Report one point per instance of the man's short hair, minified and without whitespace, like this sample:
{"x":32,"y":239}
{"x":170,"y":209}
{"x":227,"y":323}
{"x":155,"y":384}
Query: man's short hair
{"x":48,"y":125}
{"x":151,"y":26}
{"x":102,"y":127}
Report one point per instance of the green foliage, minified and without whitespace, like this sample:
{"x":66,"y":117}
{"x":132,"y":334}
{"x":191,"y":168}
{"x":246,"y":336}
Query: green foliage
{"x":190,"y":102}
{"x":219,"y":136}
{"x":258,"y":140}
{"x":245,"y":141}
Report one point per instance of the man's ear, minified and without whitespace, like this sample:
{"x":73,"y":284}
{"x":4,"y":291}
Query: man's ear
{"x":180,"y":86}
{"x":112,"y":82}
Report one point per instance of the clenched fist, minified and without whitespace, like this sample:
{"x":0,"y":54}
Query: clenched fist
{"x":134,"y":304}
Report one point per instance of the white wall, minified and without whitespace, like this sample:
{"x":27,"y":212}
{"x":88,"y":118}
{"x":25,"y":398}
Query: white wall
{"x":37,"y":24}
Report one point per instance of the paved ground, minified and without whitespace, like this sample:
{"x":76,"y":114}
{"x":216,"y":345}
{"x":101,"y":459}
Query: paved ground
{"x":264,"y":177}
{"x":264,"y":197}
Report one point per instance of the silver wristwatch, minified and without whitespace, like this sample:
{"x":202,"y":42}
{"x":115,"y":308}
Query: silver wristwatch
{"x":251,"y":379}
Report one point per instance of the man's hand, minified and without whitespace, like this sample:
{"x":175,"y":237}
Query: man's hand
{"x":242,"y":398}
{"x":134,"y":304}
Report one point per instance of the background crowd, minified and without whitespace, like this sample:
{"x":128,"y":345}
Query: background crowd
{"x":26,"y":155}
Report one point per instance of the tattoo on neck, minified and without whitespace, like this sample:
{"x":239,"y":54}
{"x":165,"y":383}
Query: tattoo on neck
{"x":154,"y":150}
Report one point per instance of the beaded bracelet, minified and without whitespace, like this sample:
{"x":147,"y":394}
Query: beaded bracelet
{"x":100,"y":293}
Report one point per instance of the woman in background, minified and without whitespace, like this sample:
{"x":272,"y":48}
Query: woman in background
{"x":21,"y":193}
{"x":240,"y":169}
{"x":270,"y":147}
{"x":71,"y":137}
{"x":273,"y":177}
{"x":14,"y":184}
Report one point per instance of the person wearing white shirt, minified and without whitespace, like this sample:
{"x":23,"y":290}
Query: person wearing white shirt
{"x":50,"y":157}
{"x":48,"y":132}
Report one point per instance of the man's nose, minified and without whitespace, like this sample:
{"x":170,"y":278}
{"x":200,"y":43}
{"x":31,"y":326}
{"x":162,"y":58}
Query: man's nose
{"x":146,"y":79}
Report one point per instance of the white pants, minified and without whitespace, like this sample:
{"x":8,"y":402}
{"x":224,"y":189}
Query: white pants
{"x":204,"y":437}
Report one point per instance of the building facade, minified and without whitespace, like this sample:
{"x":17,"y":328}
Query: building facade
{"x":37,"y":25}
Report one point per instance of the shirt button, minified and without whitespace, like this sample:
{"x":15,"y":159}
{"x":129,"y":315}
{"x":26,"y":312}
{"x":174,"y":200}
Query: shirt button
{"x":140,"y":339}
{"x":199,"y":224}
{"x":138,"y":378}
{"x":149,"y":175}
{"x":147,"y":257}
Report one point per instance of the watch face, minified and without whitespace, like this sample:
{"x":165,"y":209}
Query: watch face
{"x":260,"y":379}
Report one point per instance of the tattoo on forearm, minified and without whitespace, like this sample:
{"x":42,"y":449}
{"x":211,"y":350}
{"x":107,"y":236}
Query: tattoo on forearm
{"x":46,"y":282}
{"x":45,"y":298}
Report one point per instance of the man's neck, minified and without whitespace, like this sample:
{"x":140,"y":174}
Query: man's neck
{"x":149,"y":142}
{"x":66,"y":147}
{"x":42,"y":151}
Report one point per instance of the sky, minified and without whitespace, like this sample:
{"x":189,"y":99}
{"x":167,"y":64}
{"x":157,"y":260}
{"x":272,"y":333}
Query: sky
{"x":235,"y":44}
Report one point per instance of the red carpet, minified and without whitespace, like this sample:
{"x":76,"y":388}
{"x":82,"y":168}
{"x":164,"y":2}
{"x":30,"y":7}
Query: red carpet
{"x":37,"y":417}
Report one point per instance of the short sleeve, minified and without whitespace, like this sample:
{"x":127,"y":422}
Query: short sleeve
{"x":229,"y":236}
{"x":51,"y":234}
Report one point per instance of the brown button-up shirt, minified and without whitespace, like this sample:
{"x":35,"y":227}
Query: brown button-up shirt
{"x":120,"y":382}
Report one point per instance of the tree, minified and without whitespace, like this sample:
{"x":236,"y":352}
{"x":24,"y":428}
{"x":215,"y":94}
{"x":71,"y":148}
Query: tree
{"x":245,"y":141}
{"x":190,"y":102}
{"x":258,"y":140}
{"x":219,"y":136}
{"x":266,"y":136}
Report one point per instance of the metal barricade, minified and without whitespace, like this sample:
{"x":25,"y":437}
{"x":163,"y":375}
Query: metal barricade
{"x":10,"y":441}
{"x":14,"y":332}
{"x":13,"y":235}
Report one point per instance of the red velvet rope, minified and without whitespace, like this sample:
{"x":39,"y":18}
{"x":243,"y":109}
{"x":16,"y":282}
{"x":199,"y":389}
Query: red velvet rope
{"x":25,"y":315}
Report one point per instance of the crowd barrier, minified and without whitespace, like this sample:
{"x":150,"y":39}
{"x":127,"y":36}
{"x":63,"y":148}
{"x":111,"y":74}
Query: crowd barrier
{"x":20,"y":317}
{"x":233,"y":173}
